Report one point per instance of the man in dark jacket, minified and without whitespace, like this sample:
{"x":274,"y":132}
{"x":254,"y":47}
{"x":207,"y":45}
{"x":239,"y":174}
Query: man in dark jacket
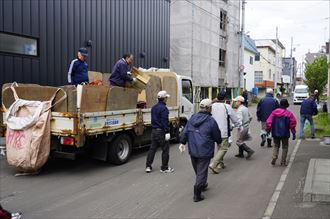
{"x":78,"y":70}
{"x":119,"y":72}
{"x":264,"y":109}
{"x":307,"y":110}
{"x":160,"y":134}
{"x":201,"y":132}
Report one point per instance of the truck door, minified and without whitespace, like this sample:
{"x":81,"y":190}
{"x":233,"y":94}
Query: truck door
{"x":187,"y":104}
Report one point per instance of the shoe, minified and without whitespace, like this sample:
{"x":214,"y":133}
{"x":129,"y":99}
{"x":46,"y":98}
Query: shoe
{"x":249,"y":154}
{"x":313,"y":136}
{"x":263,"y":141}
{"x":284,"y":163}
{"x":204,"y":188}
{"x":148,"y":169}
{"x":239,"y":155}
{"x":17,"y":215}
{"x":269,"y":143}
{"x":198,"y":198}
{"x":273,"y":161}
{"x":240,"y":152}
{"x":168,"y":170}
{"x":214,"y":170}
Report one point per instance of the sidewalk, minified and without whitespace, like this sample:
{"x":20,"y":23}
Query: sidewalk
{"x":291,"y":202}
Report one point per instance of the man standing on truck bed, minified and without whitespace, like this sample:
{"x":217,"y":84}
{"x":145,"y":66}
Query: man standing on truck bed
{"x":160,"y":135}
{"x":119,"y":72}
{"x":78,"y":70}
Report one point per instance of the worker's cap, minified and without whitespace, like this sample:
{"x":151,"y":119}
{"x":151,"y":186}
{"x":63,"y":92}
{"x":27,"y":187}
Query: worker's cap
{"x":284,"y":103}
{"x":240,"y":99}
{"x":221,"y":95}
{"x":83,"y":51}
{"x":205,"y":103}
{"x":162,"y":94}
{"x":316,"y":91}
{"x":269,"y":91}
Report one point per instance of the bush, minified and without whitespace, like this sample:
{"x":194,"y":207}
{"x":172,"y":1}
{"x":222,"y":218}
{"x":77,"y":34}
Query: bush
{"x":322,"y":126}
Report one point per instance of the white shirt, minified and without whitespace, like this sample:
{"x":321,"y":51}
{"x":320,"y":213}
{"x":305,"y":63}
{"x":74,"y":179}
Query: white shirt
{"x":244,"y":115}
{"x":220,"y":112}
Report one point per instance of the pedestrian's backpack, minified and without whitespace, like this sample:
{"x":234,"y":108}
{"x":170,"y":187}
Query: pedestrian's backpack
{"x":28,"y":132}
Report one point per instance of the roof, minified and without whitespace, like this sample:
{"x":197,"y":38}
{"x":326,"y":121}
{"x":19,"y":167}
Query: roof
{"x":249,"y":44}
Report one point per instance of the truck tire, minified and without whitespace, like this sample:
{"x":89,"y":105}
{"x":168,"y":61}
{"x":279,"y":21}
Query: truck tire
{"x":120,"y":149}
{"x":179,"y":131}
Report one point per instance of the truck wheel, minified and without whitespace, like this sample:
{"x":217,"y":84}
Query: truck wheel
{"x":179,"y":131}
{"x":120,"y":149}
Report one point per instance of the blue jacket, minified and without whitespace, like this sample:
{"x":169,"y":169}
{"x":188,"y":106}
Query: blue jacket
{"x":119,"y":74}
{"x":78,"y":72}
{"x":308,"y":107}
{"x":265,"y":107}
{"x":201,"y":132}
{"x":159,"y":116}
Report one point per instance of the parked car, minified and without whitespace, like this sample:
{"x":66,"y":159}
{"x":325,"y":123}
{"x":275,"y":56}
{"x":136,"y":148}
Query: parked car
{"x":300,"y":94}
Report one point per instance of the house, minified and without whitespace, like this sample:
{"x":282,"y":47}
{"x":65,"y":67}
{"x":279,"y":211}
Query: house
{"x":268,"y":64}
{"x":250,"y":52}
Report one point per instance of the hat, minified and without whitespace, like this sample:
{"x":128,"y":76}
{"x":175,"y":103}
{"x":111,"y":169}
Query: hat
{"x":205,"y":103}
{"x":221,"y":95}
{"x":269,"y":91}
{"x":83,"y":51}
{"x":162,"y":94}
{"x":284,"y":103}
{"x":316,"y":91}
{"x":240,"y":99}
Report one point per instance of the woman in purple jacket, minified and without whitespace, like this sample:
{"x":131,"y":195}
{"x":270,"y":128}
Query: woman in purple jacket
{"x":280,"y":122}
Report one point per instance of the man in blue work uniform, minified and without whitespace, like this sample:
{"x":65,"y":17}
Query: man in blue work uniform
{"x":78,"y":70}
{"x":119,"y":72}
{"x":308,"y":109}
{"x":201,"y":132}
{"x":160,"y":135}
{"x":265,"y":107}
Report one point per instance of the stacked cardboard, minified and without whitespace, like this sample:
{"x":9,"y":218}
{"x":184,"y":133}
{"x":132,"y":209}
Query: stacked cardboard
{"x":120,"y":98}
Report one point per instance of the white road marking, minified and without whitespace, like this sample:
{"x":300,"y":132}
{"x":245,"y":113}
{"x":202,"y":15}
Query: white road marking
{"x":273,"y":201}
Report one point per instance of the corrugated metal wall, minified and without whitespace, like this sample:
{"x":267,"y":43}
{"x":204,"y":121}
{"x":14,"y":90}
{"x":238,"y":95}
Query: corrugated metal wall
{"x":62,"y":26}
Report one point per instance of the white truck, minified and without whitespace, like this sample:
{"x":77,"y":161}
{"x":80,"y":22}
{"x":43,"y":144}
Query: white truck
{"x":110,"y":135}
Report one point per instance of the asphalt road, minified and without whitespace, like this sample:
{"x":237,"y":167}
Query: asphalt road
{"x":90,"y":189}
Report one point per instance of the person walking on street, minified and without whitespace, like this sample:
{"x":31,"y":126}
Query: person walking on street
{"x":78,"y":70}
{"x":243,"y":132}
{"x":280,"y":122}
{"x":264,"y":108}
{"x":246,"y":98}
{"x":160,"y":135}
{"x":201,"y":132}
{"x":317,"y":96}
{"x":307,"y":110}
{"x":119,"y":74}
{"x":223,"y":113}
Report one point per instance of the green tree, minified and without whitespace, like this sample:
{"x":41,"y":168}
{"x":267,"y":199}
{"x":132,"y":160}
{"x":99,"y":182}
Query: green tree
{"x":316,"y":75}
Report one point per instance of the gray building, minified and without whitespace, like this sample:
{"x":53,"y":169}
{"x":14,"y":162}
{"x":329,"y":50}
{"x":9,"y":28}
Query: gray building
{"x":289,"y":72}
{"x":39,"y":38}
{"x":205,"y":43}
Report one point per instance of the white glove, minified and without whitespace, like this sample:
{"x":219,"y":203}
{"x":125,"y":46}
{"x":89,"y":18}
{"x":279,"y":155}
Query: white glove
{"x":182,"y":148}
{"x":134,"y":79}
{"x":167,"y":136}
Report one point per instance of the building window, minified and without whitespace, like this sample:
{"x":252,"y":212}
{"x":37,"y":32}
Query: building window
{"x":17,"y":44}
{"x":257,"y":57}
{"x":204,"y":93}
{"x":223,"y":20}
{"x":251,"y":60}
{"x":222,"y":57}
{"x":258,"y":77}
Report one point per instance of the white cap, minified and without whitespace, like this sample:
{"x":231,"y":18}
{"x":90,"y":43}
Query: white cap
{"x":240,"y":99}
{"x":205,"y":103}
{"x":269,"y":91}
{"x":162,"y":94}
{"x":316,"y":91}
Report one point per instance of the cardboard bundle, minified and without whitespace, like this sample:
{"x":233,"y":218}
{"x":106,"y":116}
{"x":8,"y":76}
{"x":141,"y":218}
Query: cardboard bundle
{"x":120,"y":98}
{"x":94,"y":98}
{"x":142,"y":79}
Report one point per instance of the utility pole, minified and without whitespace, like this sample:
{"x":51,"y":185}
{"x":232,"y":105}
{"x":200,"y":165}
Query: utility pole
{"x":276,"y":73}
{"x":241,"y":67}
{"x":291,"y":66}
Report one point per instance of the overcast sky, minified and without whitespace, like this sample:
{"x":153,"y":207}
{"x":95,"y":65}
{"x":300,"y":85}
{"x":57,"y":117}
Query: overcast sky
{"x":307,"y":21}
